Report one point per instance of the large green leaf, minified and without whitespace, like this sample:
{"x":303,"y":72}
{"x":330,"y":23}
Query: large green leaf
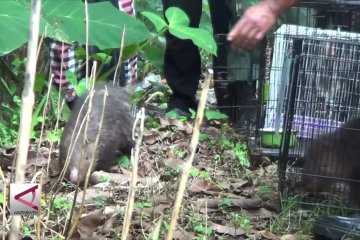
{"x":201,"y":37}
{"x":14,"y":25}
{"x":106,"y":23}
{"x":158,"y":21}
{"x":176,"y":17}
{"x":179,"y":27}
{"x":65,"y":21}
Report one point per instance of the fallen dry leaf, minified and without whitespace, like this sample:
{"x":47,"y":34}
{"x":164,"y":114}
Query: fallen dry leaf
{"x":211,"y":131}
{"x":174,"y":163}
{"x":226,"y":230}
{"x":99,"y":176}
{"x":155,"y":211}
{"x":291,"y":237}
{"x":238,"y":184}
{"x":201,"y":185}
{"x":98,"y":221}
{"x":183,"y":235}
{"x":268,"y":235}
{"x":261,"y":213}
{"x":91,"y":196}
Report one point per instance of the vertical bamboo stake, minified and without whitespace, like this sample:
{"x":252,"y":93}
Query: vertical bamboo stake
{"x":27,"y":105}
{"x":134,"y":160}
{"x":193,"y":145}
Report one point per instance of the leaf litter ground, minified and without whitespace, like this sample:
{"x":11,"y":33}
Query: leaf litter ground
{"x":224,"y":199}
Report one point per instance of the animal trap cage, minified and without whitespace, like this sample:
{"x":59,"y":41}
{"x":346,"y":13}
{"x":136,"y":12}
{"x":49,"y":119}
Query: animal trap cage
{"x":312,"y":107}
{"x":298,"y":88}
{"x":239,"y":77}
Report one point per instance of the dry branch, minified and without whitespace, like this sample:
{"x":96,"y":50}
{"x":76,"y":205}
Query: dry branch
{"x":188,"y":163}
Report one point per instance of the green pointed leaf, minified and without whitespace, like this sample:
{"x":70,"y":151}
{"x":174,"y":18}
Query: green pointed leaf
{"x":103,"y":57}
{"x":80,"y":88}
{"x":14,"y":25}
{"x":176,"y":17}
{"x":215,"y":115}
{"x":200,"y":37}
{"x":158,"y":21}
{"x":106,"y":23}
{"x":71,"y":77}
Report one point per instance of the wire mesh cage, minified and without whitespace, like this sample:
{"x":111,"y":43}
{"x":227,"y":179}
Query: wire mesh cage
{"x":312,"y":105}
{"x":301,"y":89}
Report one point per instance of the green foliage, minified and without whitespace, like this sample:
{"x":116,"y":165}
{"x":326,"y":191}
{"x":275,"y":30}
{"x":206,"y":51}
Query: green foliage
{"x":179,"y":152}
{"x":65,"y":21}
{"x":240,"y":151}
{"x":203,"y":231}
{"x":263,"y":190}
{"x":26,"y":230}
{"x":157,"y":20}
{"x":201,"y":174}
{"x":124,"y":161}
{"x":203,"y":137}
{"x":241,"y":155}
{"x":9,"y":122}
{"x":153,"y":123}
{"x":215,"y":115}
{"x":174,"y":115}
{"x":240,"y":221}
{"x":62,"y":203}
{"x":54,"y":135}
{"x":178,"y":26}
{"x":143,"y":204}
{"x":2,"y":198}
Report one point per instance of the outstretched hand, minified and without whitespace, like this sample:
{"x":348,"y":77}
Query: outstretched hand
{"x":252,"y":27}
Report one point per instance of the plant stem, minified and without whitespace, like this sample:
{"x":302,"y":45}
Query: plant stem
{"x":188,"y":163}
{"x":27,"y":105}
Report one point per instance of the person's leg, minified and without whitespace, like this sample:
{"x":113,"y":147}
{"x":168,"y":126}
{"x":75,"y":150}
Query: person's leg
{"x":220,"y":19}
{"x":182,"y":64}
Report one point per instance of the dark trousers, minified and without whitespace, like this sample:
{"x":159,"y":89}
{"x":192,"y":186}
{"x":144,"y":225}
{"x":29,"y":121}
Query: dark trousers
{"x":182,"y":64}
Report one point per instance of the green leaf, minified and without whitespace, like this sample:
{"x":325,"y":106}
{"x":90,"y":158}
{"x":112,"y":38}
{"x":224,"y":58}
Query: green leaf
{"x":124,"y":161}
{"x":103,"y":57}
{"x":2,"y":198}
{"x":171,"y":115}
{"x":35,"y":119}
{"x":158,"y":21}
{"x":80,"y":88}
{"x":71,"y":77}
{"x":215,"y":115}
{"x":54,"y":136}
{"x":203,"y":136}
{"x":200,"y":37}
{"x":14,"y":25}
{"x":39,"y":82}
{"x":65,"y":21}
{"x":62,"y":203}
{"x":155,"y":55}
{"x":176,"y":17}
{"x":106,"y":23}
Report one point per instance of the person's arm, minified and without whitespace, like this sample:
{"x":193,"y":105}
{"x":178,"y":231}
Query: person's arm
{"x":279,"y":6}
{"x":256,"y":22}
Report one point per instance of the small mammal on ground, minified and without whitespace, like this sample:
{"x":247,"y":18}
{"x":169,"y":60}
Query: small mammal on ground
{"x":115,"y":137}
{"x":335,"y":154}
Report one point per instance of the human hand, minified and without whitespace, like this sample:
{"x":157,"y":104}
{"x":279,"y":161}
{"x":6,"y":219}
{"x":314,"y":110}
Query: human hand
{"x":252,"y":26}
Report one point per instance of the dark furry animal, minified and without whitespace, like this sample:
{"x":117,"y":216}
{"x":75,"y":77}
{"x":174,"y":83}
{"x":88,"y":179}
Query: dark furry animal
{"x":336,"y":154}
{"x":115,"y":137}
